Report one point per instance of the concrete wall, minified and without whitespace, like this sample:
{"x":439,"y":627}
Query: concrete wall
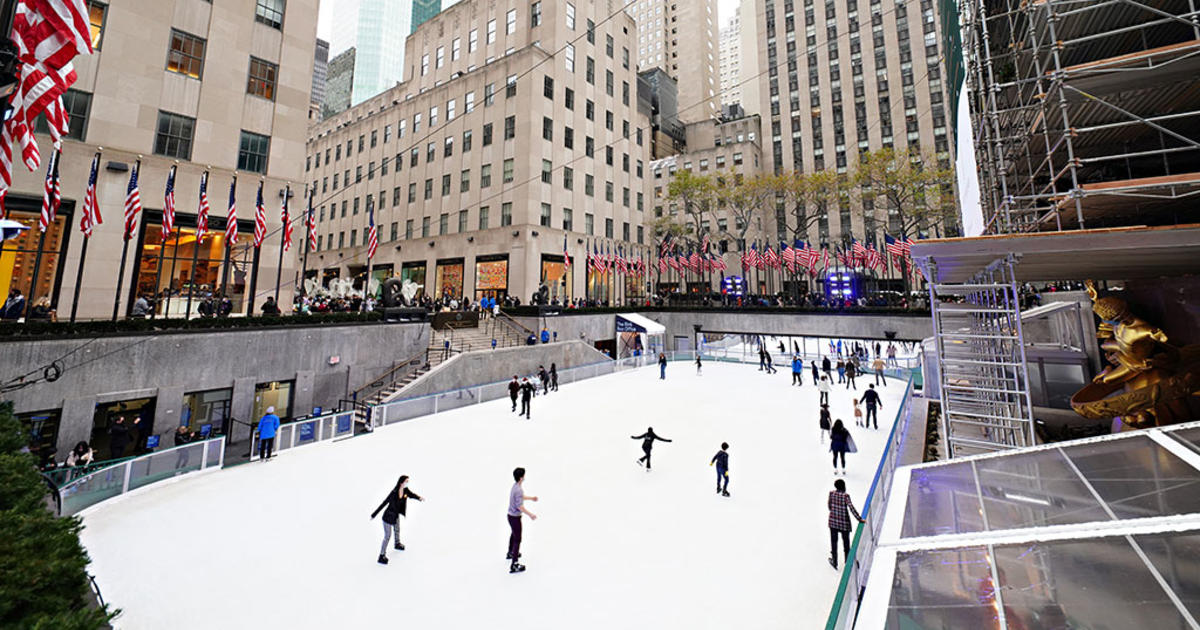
{"x":167,"y":366}
{"x":490,"y":366}
{"x":680,"y":323}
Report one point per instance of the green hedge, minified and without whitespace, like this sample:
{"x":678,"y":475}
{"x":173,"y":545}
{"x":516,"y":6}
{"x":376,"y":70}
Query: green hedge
{"x":43,"y":567}
{"x":532,"y":311}
{"x":39,"y":328}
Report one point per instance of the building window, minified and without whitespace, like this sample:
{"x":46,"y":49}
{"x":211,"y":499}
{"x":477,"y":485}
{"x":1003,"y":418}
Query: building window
{"x":569,"y":56}
{"x":589,"y":224}
{"x":408,"y":229}
{"x":547,"y":129}
{"x":491,"y":31}
{"x":424,"y":227}
{"x":483,"y":218}
{"x":444,"y":223}
{"x":568,"y":221}
{"x":262,"y":78}
{"x":174,"y":136}
{"x":547,"y":169}
{"x":535,"y":14}
{"x":269,"y":12}
{"x":465,"y":183}
{"x":78,"y":105}
{"x":510,"y":127}
{"x":96,"y":14}
{"x":510,"y":26}
{"x":462,"y":220}
{"x":570,"y":16}
{"x":545,"y":221}
{"x":186,"y":55}
{"x":508,"y":170}
{"x":252,"y":152}
{"x":485,"y":176}
{"x":506,"y":213}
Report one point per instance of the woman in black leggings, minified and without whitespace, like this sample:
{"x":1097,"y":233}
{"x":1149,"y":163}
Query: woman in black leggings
{"x":839,"y":444}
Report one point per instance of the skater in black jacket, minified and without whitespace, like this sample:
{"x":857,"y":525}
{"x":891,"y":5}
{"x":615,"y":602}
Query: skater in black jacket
{"x":514,"y":388}
{"x":647,"y":444}
{"x":553,"y":377}
{"x":544,"y":377}
{"x":527,"y":390}
{"x":396,"y":503}
{"x":721,"y":459}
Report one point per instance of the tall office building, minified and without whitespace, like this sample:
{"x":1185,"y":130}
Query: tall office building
{"x":681,"y":38}
{"x":422,"y":10}
{"x":731,"y":61}
{"x":841,"y":78}
{"x":493,"y":158}
{"x":320,"y":74}
{"x":376,"y":29}
{"x":339,"y":83}
{"x":219,"y":87}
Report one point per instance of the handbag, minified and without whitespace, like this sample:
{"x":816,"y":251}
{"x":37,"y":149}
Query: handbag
{"x":851,"y":447}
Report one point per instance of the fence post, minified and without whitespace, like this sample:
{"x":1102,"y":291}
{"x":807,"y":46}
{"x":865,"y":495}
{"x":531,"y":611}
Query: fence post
{"x":435,"y":405}
{"x":128,"y":470}
{"x":221,"y":454}
{"x":204,"y":456}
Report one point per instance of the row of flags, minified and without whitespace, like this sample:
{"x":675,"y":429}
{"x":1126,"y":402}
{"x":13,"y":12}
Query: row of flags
{"x":801,"y":255}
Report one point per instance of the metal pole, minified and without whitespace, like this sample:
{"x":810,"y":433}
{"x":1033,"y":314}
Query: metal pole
{"x":228,"y":248}
{"x":253,"y":284}
{"x":37,"y":265}
{"x":79,"y":279}
{"x":287,"y":192}
{"x":120,"y":279}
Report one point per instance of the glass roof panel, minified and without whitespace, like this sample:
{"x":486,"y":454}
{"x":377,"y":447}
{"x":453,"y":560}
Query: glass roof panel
{"x":947,"y":588}
{"x":1138,"y":478}
{"x":1096,"y":583}
{"x":1191,"y":437}
{"x":1034,"y":489}
{"x":1177,"y":558}
{"x":942,"y":500}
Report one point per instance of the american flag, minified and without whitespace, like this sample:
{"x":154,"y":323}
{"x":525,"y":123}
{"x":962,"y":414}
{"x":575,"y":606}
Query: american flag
{"x":91,"y":209}
{"x":133,"y":202}
{"x":52,"y":197}
{"x":311,"y":221}
{"x":662,"y":264}
{"x":754,"y":259}
{"x":566,"y":256}
{"x":787,"y":255}
{"x":286,"y":218}
{"x":372,"y":233}
{"x":202,"y":213}
{"x":260,"y":218}
{"x":770,"y":258}
{"x":824,"y":259}
{"x":622,"y":265}
{"x":859,"y":251}
{"x":874,"y":259}
{"x":169,"y":204}
{"x":231,"y":228}
{"x":811,"y":257}
{"x":696,"y":261}
{"x":893,"y":246}
{"x":48,"y":34}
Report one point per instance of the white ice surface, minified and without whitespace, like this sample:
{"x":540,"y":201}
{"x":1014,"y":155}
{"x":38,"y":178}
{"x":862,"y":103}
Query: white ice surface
{"x":289,"y":543}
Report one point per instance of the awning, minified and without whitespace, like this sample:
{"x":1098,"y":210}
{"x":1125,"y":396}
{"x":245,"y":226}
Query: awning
{"x":632,"y":322}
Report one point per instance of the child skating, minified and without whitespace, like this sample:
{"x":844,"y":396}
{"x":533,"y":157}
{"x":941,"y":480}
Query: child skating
{"x":721,"y":459}
{"x":858,"y":416}
{"x":647,"y":445}
{"x":396,"y":503}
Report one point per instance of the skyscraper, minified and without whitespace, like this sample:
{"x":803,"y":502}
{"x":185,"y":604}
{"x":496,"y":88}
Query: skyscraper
{"x":731,"y":61}
{"x":423,"y":10}
{"x":320,"y":73}
{"x":681,"y":38}
{"x":376,"y":29}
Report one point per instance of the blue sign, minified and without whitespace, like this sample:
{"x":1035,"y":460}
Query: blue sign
{"x":316,"y":411}
{"x":152,"y":442}
{"x":343,"y":423}
{"x":307,"y":431}
{"x":624,"y":325}
{"x":733,"y":285}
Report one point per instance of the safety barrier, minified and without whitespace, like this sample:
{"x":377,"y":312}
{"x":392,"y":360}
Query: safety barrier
{"x":309,"y":431}
{"x":131,"y":474}
{"x":854,"y":575}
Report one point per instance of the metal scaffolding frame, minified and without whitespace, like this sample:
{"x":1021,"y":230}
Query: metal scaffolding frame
{"x":986,"y":405}
{"x":1086,"y":112}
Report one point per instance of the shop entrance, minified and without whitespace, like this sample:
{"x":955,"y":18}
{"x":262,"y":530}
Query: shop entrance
{"x":120,"y":429}
{"x":42,"y":429}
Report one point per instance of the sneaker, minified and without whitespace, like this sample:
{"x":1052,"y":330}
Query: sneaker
{"x":383,"y":559}
{"x":399,"y":547}
{"x":516,"y":568}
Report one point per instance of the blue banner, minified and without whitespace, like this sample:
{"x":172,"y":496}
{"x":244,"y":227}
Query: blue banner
{"x":307,"y":431}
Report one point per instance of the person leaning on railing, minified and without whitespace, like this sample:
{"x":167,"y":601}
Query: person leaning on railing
{"x":840,"y":508}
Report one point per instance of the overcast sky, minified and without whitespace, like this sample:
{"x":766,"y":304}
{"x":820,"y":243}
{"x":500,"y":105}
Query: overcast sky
{"x":726,"y":9}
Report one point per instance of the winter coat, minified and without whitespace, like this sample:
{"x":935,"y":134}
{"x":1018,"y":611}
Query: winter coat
{"x":396,"y":503}
{"x":268,"y":426}
{"x":839,"y":441}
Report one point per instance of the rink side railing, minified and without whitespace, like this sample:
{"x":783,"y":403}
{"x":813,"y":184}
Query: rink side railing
{"x":330,"y":426}
{"x":137,"y":472}
{"x":866,"y":536}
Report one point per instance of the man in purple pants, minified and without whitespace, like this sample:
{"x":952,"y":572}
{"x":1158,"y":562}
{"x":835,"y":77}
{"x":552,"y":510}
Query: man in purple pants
{"x":516,"y":505}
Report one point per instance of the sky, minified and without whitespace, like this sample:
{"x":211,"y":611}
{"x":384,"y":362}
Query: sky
{"x":725,"y":9}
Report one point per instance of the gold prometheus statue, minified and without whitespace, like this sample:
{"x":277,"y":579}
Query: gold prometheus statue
{"x":1149,"y":382}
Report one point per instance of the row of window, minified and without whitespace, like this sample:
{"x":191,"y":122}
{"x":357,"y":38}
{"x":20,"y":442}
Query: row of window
{"x":186,"y":57}
{"x":174,"y":135}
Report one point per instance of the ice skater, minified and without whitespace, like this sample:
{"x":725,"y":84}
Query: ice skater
{"x":553,"y":377}
{"x":514,"y":390}
{"x":840,"y":443}
{"x":770,"y":364}
{"x":797,"y":370}
{"x":267,"y":426}
{"x":721,"y":459}
{"x":878,"y":366}
{"x":858,"y":415}
{"x":816,"y":374}
{"x":823,"y":387}
{"x":762,"y":359}
{"x":527,"y":390}
{"x":851,"y":372}
{"x":647,"y":444}
{"x":841,"y":370}
{"x":699,"y":365}
{"x":825,"y":422}
{"x":891,"y":356}
{"x":840,"y":508}
{"x":662,"y":366}
{"x":396,"y":503}
{"x":873,"y":402}
{"x":544,"y":377}
{"x":516,"y":505}
{"x":827,"y":368}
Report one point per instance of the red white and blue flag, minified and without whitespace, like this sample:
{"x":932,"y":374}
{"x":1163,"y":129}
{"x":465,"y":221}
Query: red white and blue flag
{"x":133,"y":202}
{"x":91,"y":209}
{"x":202,"y":213}
{"x":311,"y":221}
{"x":169,"y":205}
{"x":52,"y":196}
{"x":566,"y":256}
{"x":231,"y":227}
{"x":287,"y":219}
{"x":260,"y":218}
{"x":372,"y":232}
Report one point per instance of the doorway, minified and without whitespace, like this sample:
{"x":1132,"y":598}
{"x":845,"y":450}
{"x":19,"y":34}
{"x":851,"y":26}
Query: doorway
{"x":120,"y":429}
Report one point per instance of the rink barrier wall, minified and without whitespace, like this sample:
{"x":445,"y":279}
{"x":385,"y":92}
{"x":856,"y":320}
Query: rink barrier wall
{"x":308,"y":431}
{"x":138,"y":472}
{"x":853,"y":582}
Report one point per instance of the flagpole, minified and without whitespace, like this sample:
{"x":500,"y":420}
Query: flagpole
{"x":82,"y":260}
{"x":287,"y":192}
{"x":137,"y":167}
{"x":37,"y":260}
{"x":253,"y":284}
{"x":228,"y":248}
{"x":307,"y":240}
{"x":162,"y":252}
{"x":187,"y":314}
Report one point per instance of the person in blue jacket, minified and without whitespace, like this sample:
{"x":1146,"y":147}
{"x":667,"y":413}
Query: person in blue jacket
{"x":797,"y":370}
{"x":267,"y":427}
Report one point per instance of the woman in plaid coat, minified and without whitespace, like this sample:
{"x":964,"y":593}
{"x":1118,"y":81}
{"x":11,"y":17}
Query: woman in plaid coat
{"x":840,"y":508}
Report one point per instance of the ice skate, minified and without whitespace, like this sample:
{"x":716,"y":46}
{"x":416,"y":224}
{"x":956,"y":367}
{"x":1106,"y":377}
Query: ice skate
{"x":724,"y":493}
{"x":508,"y":556}
{"x":832,"y":562}
{"x":383,"y":559}
{"x":399,"y":547}
{"x":516,"y":568}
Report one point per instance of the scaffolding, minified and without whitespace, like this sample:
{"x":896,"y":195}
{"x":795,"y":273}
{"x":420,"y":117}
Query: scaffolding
{"x":1086,"y":113}
{"x":983,"y":378}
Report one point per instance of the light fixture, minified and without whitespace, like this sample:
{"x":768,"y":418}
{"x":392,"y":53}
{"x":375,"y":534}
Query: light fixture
{"x":533,"y":233}
{"x":470,"y":239}
{"x":397,"y":248}
{"x":431,"y":243}
{"x":516,"y":233}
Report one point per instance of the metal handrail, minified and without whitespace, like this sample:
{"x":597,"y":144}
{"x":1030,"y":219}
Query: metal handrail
{"x":382,"y":381}
{"x":512,"y":323}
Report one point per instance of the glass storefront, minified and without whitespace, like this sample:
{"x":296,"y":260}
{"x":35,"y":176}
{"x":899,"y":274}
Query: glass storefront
{"x":450,"y":278}
{"x":277,"y":394}
{"x":165,"y":268}
{"x":19,"y":255}
{"x":136,"y":417}
{"x":491,"y":276}
{"x":379,"y":275}
{"x":599,"y":286}
{"x":207,"y":407}
{"x":41,"y":427}
{"x":556,"y":277}
{"x":414,"y":271}
{"x":635,"y":286}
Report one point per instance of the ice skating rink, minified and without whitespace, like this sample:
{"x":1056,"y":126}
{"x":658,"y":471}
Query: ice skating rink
{"x":289,"y":543}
